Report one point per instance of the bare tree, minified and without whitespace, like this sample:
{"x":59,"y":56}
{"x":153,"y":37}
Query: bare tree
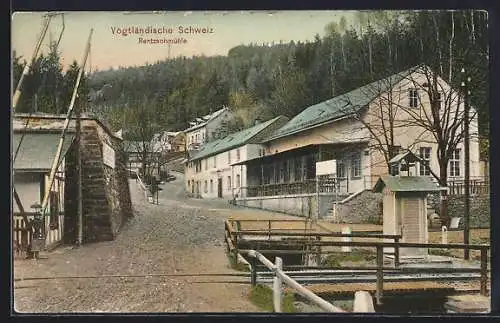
{"x":435,"y":116}
{"x":143,"y":130}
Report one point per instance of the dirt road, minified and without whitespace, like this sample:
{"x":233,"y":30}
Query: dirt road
{"x":179,"y":236}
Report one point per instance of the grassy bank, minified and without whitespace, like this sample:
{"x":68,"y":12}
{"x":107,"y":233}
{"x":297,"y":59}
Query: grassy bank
{"x":262,"y":297}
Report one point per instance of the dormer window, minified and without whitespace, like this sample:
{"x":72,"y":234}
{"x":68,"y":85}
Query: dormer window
{"x":413,"y":96}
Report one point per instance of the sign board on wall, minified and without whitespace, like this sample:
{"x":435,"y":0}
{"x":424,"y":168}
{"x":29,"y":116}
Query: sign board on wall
{"x":327,"y":167}
{"x":108,"y":155}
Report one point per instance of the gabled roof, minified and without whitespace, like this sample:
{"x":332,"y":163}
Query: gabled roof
{"x":233,"y":140}
{"x":200,"y":122}
{"x":407,"y":156}
{"x":133,"y":146}
{"x":406,"y":184}
{"x":340,"y":106}
{"x":38,"y":149}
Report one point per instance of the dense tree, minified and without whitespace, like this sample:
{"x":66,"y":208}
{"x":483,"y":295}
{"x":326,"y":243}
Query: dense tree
{"x":280,"y":78}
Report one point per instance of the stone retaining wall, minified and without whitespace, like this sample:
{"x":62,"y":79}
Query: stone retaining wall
{"x":106,"y":196}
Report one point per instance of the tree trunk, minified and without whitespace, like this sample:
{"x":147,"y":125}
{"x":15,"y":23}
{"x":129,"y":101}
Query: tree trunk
{"x":443,"y":182}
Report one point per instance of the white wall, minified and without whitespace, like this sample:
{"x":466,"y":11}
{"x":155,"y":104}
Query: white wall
{"x":28,"y":188}
{"x":223,"y":165}
{"x":408,"y":134}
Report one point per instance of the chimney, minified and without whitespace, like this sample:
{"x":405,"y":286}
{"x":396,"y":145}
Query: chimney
{"x":256,"y":122}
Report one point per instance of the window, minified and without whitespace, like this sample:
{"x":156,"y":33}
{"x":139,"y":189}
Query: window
{"x":229,"y":183}
{"x":229,"y":157}
{"x":455,"y":163}
{"x":237,"y":154}
{"x":206,"y":164}
{"x":206,"y":187}
{"x":297,"y":169}
{"x":341,"y":168}
{"x":215,"y":161}
{"x":425,"y":154}
{"x":356,"y":165}
{"x":413,"y":95}
{"x":395,"y":169}
{"x":211,"y":186}
{"x":238,"y":180}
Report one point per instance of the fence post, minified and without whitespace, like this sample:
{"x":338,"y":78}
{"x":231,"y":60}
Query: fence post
{"x":277,"y":284}
{"x":484,"y":271}
{"x":269,"y":228}
{"x":254,"y":270}
{"x":444,"y":234}
{"x":346,"y":230}
{"x":380,"y":274}
{"x":396,"y":252}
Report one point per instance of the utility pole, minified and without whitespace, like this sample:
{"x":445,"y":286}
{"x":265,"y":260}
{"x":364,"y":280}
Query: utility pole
{"x":466,"y":92}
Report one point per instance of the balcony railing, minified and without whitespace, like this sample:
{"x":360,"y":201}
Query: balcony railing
{"x":476,"y":187}
{"x":326,"y":185}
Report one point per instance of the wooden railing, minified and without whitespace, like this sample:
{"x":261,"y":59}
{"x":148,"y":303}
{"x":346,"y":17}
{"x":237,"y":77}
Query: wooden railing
{"x":233,"y":233}
{"x":308,"y":186}
{"x":279,"y":278}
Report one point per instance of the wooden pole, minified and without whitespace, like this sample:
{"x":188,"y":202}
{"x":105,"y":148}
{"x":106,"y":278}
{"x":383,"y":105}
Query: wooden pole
{"x":396,"y":252}
{"x":466,"y":170}
{"x":380,"y":274}
{"x":79,"y":196}
{"x":253,"y":261}
{"x":26,"y":70}
{"x":484,"y":271}
{"x":55,"y":164}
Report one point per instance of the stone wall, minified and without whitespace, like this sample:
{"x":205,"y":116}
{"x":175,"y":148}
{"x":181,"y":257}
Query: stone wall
{"x":106,"y":195}
{"x":479,"y":208}
{"x":363,"y":208}
{"x":295,"y":204}
{"x":106,"y":202}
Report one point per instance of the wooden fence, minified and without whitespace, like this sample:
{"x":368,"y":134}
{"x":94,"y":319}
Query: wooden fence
{"x":233,"y":234}
{"x":22,"y":236}
{"x":279,"y":278}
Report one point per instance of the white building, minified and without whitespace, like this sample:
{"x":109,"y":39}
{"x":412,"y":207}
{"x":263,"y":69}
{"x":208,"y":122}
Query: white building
{"x":32,"y":166}
{"x":354,"y":129}
{"x":209,"y":172}
{"x":204,"y":129}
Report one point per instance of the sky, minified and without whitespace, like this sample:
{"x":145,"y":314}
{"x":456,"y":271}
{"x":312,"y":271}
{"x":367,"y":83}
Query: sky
{"x":111,"y":48}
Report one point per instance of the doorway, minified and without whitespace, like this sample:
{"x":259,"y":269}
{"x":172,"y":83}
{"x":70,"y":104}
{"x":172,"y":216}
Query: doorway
{"x":219,"y":188}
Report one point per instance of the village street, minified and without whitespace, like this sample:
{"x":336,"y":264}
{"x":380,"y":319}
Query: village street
{"x":179,"y":236}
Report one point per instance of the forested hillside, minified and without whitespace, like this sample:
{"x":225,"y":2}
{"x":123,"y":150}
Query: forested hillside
{"x":265,"y":80}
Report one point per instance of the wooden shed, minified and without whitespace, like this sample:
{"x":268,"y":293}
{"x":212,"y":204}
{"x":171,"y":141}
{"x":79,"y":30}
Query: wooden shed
{"x":405,"y":209}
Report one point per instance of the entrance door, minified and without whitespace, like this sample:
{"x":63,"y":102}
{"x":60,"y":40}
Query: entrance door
{"x":412,"y":225}
{"x":219,"y":187}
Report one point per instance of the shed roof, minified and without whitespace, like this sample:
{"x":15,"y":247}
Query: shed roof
{"x":232,"y":140}
{"x":406,"y":184}
{"x":340,"y":106}
{"x":38,"y":149}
